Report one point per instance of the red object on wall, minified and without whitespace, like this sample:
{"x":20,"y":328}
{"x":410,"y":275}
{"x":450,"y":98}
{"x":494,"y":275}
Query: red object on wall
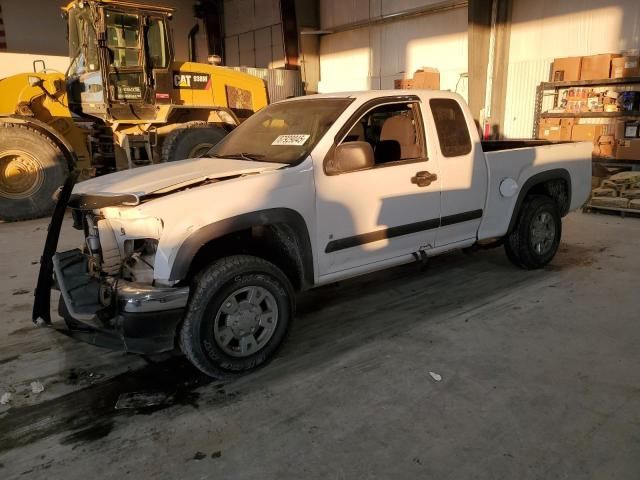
{"x":486,"y":130}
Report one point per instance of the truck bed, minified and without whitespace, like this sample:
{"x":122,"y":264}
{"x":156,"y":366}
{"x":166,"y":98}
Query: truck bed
{"x":522,"y":160}
{"x":498,"y":145}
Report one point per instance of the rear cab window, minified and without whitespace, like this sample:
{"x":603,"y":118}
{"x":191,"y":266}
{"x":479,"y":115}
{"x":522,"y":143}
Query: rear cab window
{"x":451,"y":126}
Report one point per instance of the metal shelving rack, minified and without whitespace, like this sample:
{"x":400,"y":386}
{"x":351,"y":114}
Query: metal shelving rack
{"x":555,"y":87}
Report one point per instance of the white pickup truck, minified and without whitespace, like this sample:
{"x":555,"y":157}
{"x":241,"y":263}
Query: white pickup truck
{"x":208,"y":254}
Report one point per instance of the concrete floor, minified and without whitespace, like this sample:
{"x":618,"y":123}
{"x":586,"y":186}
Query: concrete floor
{"x":540,"y":378}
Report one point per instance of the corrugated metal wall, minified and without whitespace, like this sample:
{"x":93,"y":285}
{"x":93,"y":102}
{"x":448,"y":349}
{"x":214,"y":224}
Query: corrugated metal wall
{"x":522,"y":80}
{"x":281,"y":84}
{"x":253,"y":33}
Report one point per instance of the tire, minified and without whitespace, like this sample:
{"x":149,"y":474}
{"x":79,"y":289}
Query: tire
{"x":32,"y":168}
{"x":203,"y":333}
{"x":535,"y":239}
{"x":191,"y":140}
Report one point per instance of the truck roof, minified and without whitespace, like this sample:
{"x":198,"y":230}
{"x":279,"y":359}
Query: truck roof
{"x":371,"y":94}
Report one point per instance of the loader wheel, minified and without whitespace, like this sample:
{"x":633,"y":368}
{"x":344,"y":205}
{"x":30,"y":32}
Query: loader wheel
{"x":32,"y":168}
{"x":536,"y":236}
{"x":238,"y":316}
{"x":191,"y":140}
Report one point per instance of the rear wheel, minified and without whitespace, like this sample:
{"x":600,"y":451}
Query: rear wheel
{"x":535,"y":239}
{"x":238,"y":316}
{"x":191,"y":140}
{"x":32,"y":168}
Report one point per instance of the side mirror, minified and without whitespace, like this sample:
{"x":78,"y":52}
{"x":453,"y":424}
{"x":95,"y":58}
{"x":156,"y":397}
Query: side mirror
{"x":350,"y":156}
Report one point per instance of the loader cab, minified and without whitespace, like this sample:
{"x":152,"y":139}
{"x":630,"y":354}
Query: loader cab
{"x":121,"y":57}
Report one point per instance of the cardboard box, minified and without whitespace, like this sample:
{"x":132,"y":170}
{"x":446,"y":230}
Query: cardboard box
{"x":566,"y":69}
{"x":549,"y":129}
{"x":566,"y":128}
{"x":597,"y":67}
{"x":605,"y":146}
{"x":628,"y":149}
{"x":405,"y":84}
{"x":587,"y":132}
{"x":424,"y":78}
{"x":625,"y":67}
{"x":427,"y":78}
{"x":627,"y":129}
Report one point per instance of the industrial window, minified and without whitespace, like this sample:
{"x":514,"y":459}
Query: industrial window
{"x":156,"y":37}
{"x":123,"y":32}
{"x":452,"y":128}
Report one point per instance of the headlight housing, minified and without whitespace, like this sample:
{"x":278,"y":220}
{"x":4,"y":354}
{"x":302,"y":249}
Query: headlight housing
{"x":129,"y":245}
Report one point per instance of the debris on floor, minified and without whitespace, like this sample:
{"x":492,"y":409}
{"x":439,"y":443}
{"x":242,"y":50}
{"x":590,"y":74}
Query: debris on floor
{"x":5,"y":399}
{"x":199,"y":456}
{"x":134,"y":400}
{"x":36,"y":387}
{"x":20,"y":291}
{"x":80,"y":376}
{"x":435,"y":376}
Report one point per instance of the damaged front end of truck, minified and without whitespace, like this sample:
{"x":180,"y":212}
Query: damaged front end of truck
{"x":108,"y":296}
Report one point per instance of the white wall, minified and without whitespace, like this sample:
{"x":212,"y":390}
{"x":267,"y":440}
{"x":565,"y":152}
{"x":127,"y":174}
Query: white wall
{"x":548,"y":29}
{"x":374,"y":57}
{"x":45,"y":36}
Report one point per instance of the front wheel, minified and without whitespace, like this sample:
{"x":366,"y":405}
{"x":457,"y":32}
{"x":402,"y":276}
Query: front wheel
{"x":238,"y":316}
{"x":535,"y":239}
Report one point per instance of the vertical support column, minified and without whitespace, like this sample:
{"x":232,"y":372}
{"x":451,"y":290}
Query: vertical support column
{"x":479,"y":35}
{"x":502,"y":36}
{"x":489,"y":34}
{"x":212,"y":13}
{"x":289,"y":34}
{"x":308,"y":18}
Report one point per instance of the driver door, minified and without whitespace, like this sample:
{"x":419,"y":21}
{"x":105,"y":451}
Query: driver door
{"x":379,"y":213}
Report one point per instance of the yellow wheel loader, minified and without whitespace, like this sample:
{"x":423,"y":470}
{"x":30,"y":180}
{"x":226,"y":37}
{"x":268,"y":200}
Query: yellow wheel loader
{"x":124,"y":102}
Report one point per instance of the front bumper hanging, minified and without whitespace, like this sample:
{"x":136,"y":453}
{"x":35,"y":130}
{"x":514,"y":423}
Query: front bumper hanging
{"x":138,"y":318}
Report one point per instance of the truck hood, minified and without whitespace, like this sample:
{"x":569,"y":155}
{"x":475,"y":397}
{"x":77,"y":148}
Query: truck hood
{"x":132,"y":186}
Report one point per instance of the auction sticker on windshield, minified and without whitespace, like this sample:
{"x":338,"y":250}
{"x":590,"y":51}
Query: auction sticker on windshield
{"x":291,"y":139}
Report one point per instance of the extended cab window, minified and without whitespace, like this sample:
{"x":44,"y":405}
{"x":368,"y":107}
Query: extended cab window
{"x":451,"y":126}
{"x":394,"y":131}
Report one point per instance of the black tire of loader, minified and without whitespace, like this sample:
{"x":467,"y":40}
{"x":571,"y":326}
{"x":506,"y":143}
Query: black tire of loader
{"x":52,"y":164}
{"x":181,"y":142}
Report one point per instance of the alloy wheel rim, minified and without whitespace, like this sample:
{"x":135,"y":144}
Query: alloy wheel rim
{"x":245,"y":321}
{"x":21,"y":174}
{"x":543,"y":232}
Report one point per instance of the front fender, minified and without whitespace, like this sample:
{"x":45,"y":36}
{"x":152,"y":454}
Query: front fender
{"x":192,"y":244}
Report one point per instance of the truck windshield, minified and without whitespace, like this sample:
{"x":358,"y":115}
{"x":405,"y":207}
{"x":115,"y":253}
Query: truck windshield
{"x":283,"y":132}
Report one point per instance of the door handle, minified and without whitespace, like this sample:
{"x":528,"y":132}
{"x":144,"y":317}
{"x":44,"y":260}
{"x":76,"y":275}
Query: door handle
{"x":424,"y":179}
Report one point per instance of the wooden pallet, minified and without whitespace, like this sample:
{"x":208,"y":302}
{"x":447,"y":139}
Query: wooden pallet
{"x":623,"y":212}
